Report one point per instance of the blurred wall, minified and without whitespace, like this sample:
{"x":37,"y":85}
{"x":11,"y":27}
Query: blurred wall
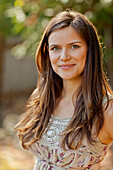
{"x":18,"y":74}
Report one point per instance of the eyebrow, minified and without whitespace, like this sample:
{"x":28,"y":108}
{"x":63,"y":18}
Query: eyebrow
{"x":67,"y":44}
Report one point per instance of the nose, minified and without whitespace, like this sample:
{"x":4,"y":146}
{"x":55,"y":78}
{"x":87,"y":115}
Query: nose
{"x":64,"y":55}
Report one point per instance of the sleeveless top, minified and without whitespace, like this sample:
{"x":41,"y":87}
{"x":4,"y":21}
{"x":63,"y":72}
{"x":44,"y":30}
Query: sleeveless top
{"x":51,"y":156}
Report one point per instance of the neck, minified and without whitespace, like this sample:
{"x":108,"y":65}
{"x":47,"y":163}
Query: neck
{"x":71,"y":86}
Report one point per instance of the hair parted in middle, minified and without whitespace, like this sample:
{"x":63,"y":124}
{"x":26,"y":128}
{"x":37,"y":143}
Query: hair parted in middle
{"x":42,"y":103}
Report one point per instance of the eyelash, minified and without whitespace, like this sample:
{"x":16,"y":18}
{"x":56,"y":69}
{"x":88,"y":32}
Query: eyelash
{"x":75,"y":46}
{"x":54,"y":48}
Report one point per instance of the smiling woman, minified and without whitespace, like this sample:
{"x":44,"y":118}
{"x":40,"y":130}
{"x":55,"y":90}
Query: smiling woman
{"x":69,"y":117}
{"x":67,"y":52}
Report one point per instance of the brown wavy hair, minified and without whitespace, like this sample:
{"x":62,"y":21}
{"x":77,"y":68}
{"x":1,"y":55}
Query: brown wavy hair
{"x":41,"y":104}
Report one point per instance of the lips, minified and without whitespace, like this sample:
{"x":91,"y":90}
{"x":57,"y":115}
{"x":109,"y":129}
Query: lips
{"x":66,"y":66}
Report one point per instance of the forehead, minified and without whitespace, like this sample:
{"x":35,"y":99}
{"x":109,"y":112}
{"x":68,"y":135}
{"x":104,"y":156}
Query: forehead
{"x":65,"y":35}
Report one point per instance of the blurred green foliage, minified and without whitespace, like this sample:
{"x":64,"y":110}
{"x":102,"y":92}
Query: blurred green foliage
{"x":28,"y":18}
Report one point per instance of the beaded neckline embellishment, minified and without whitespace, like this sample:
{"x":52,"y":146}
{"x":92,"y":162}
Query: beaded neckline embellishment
{"x":54,"y":129}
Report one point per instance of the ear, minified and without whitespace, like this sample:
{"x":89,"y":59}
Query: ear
{"x":48,"y":49}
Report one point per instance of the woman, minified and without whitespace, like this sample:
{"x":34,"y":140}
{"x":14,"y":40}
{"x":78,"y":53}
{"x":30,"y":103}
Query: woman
{"x":69,"y":116}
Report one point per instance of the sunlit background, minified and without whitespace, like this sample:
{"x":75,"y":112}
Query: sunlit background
{"x":22,"y":23}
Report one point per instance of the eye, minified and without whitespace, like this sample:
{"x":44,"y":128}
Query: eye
{"x":75,"y":46}
{"x":54,"y":48}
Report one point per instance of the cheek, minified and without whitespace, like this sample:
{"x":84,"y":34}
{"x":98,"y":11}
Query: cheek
{"x":53,"y":58}
{"x":82,"y":56}
{"x":83,"y":61}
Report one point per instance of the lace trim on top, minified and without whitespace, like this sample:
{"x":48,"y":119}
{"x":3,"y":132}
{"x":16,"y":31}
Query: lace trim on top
{"x":52,"y":133}
{"x":50,"y":154}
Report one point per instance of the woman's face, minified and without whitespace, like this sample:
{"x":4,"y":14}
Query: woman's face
{"x":67,"y":52}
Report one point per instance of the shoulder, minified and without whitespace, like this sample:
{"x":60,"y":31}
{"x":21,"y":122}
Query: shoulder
{"x":108,"y":117}
{"x":34,"y":93}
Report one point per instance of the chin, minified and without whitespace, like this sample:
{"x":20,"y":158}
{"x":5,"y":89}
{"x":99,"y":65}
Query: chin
{"x":71,"y":77}
{"x":68,"y":78}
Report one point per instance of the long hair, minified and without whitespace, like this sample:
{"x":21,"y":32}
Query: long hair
{"x":88,"y":107}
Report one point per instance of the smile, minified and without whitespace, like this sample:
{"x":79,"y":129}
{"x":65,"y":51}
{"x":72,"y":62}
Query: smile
{"x":66,"y":66}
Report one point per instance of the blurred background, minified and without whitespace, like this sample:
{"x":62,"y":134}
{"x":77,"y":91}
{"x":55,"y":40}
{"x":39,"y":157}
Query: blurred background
{"x":22,"y":23}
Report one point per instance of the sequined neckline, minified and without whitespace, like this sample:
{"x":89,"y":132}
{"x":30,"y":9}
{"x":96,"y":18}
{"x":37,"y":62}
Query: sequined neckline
{"x":60,"y":118}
